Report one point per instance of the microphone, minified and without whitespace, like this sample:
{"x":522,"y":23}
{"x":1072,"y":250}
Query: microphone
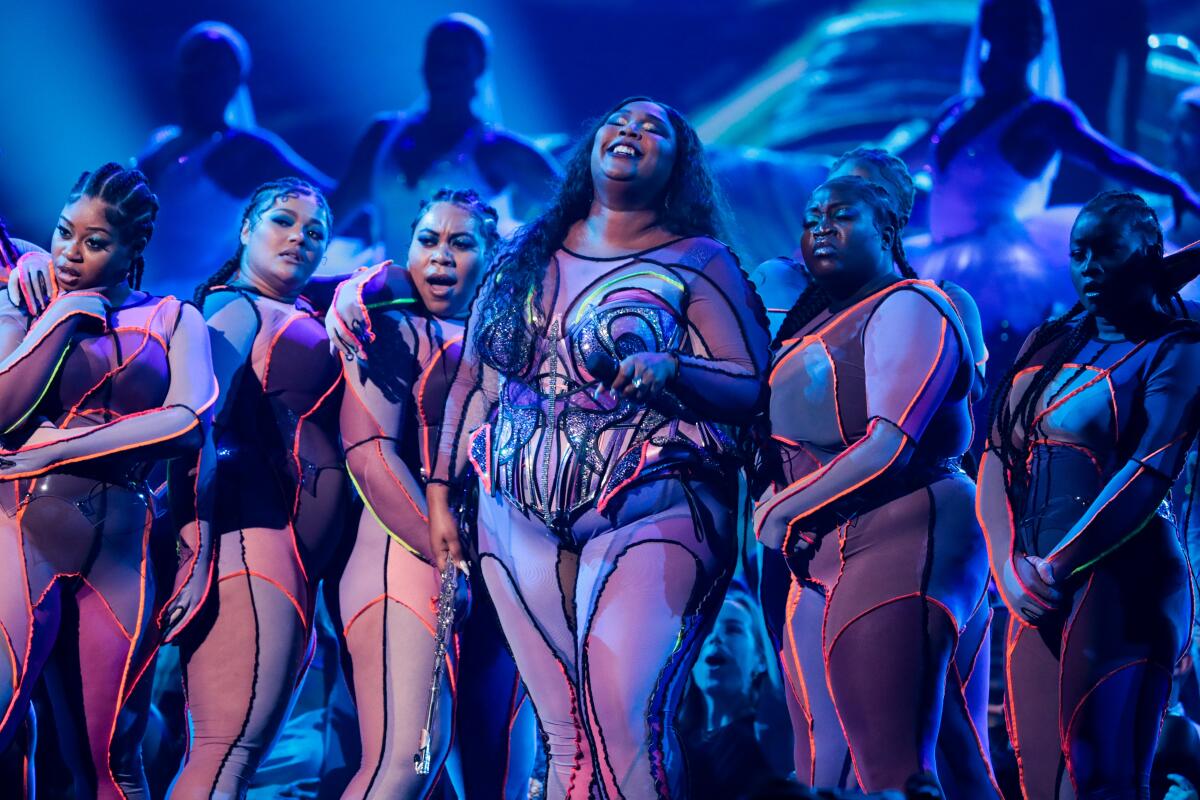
{"x":604,"y":367}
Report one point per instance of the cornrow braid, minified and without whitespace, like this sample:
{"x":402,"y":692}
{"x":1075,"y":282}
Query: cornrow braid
{"x":892,"y":170}
{"x":131,"y":208}
{"x":264,"y":197}
{"x":1072,"y":329}
{"x":8,"y":250}
{"x":470,"y":201}
{"x":814,"y":299}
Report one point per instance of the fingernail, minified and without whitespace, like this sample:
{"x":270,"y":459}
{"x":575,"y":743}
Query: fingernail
{"x":462,"y":565}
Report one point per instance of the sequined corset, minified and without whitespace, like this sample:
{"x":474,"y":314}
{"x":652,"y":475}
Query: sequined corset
{"x":559,"y":442}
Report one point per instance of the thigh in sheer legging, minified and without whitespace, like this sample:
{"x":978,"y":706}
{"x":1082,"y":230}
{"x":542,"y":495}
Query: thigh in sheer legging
{"x":495,"y":761}
{"x":79,"y":542}
{"x":387,"y":596}
{"x":243,"y":661}
{"x":605,"y":621}
{"x":1087,"y":689}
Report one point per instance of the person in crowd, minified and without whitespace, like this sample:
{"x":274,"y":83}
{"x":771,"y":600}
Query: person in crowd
{"x":1090,"y":428}
{"x":870,"y":505}
{"x":733,"y":680}
{"x":97,"y":389}
{"x":452,"y":139}
{"x":994,"y":154}
{"x":207,"y":166}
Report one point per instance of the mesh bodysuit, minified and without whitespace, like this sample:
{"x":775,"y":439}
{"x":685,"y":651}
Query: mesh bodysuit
{"x":108,"y":396}
{"x":1087,"y":687}
{"x":607,"y":527}
{"x":279,"y":499}
{"x":391,"y":421}
{"x":895,"y":566}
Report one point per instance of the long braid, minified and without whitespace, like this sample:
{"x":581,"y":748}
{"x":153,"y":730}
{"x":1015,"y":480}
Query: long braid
{"x":8,"y":250}
{"x":264,"y":197}
{"x":131,"y":208}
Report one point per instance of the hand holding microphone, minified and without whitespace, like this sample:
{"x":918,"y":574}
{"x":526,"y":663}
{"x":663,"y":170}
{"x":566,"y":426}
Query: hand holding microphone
{"x":643,"y":377}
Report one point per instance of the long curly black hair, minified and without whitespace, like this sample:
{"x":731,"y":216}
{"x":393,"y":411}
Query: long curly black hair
{"x":814,"y":299}
{"x":1071,"y":331}
{"x":690,"y":205}
{"x":130,"y":208}
{"x":261,"y":201}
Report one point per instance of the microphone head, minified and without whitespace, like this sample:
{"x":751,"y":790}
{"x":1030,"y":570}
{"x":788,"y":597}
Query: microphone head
{"x":601,"y":365}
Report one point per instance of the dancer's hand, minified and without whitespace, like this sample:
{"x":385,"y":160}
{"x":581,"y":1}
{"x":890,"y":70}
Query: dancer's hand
{"x":347,"y":321}
{"x":1027,"y":592}
{"x":186,"y":602}
{"x":643,"y":376}
{"x":32,"y":284}
{"x":443,"y":529}
{"x":25,"y":463}
{"x":1181,"y":789}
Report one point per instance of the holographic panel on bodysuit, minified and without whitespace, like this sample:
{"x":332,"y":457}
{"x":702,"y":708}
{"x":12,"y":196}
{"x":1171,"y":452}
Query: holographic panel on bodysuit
{"x":560,"y":443}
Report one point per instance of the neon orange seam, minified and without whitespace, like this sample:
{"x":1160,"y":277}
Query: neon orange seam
{"x":287,"y":323}
{"x":122,"y":365}
{"x":1102,"y":374}
{"x":256,"y":574}
{"x":928,"y":376}
{"x":1016,"y":626}
{"x":1067,"y":635}
{"x":806,"y":704}
{"x":987,"y":538}
{"x":1066,"y":741}
{"x":12,"y":657}
{"x":1057,"y":443}
{"x":637,"y":471}
{"x":826,"y":651}
{"x":62,"y":357}
{"x":1174,"y":441}
{"x":484,"y":472}
{"x":296,"y":440}
{"x":141,"y":610}
{"x":834,"y":321}
{"x":813,"y":477}
{"x":837,"y":403}
{"x":125,"y":632}
{"x":90,"y":456}
{"x":371,"y":509}
{"x":379,"y":599}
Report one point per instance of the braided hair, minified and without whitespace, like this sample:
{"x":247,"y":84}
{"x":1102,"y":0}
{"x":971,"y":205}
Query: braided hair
{"x":8,"y":250}
{"x":1072,"y":331}
{"x":814,"y":299}
{"x":690,"y":205}
{"x":131,"y":208}
{"x":263,"y":199}
{"x":469,"y":200}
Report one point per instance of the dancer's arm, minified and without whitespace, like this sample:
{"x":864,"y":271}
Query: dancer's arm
{"x":31,"y":359}
{"x":911,"y":358}
{"x":1081,"y":142}
{"x":1171,"y":405}
{"x":723,"y":378}
{"x":176,"y":428}
{"x":373,"y":430}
